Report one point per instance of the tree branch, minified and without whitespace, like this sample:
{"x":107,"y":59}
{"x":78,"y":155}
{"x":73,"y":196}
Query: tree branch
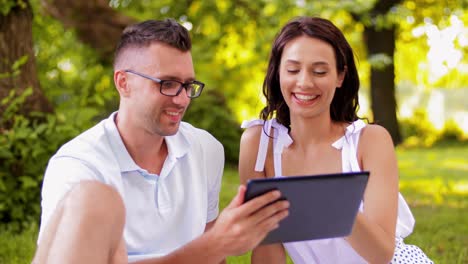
{"x":97,"y":24}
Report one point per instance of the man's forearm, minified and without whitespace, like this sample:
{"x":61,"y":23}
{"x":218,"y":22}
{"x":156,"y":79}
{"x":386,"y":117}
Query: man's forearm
{"x":203,"y":249}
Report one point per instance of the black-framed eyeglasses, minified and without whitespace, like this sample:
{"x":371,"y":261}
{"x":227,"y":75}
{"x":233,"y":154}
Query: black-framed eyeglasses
{"x":173,"y":87}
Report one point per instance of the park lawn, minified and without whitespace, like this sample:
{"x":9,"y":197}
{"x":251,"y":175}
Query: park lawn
{"x":434,"y":182}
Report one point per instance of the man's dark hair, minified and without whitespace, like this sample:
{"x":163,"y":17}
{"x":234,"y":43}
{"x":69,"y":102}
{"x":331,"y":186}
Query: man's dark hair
{"x":143,"y":34}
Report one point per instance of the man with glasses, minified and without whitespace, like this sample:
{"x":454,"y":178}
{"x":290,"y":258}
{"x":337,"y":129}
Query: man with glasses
{"x":142,"y":185}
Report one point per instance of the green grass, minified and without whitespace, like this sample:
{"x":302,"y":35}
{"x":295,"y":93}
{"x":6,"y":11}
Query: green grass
{"x":434,"y":182}
{"x":16,"y":249}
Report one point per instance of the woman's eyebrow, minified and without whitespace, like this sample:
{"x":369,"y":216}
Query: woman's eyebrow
{"x":316,"y":63}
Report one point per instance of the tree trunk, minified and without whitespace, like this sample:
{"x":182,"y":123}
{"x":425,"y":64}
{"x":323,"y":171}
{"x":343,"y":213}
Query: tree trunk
{"x":382,"y":83}
{"x":380,"y":39}
{"x":96,"y":24}
{"x":16,"y":42}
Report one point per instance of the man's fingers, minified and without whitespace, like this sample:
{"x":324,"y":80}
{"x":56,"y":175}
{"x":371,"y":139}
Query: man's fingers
{"x":273,"y":211}
{"x":262,"y":229}
{"x":272,"y":221}
{"x":244,"y":225}
{"x":261,"y":201}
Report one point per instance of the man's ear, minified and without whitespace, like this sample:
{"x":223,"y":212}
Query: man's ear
{"x":341,"y":77}
{"x":121,"y":83}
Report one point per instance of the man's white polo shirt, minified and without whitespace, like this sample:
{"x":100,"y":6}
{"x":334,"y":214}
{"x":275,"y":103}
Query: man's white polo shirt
{"x":163,"y":212}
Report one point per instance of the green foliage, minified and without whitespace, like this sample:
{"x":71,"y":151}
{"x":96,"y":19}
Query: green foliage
{"x":380,"y":61}
{"x":211,"y":113}
{"x":418,"y":130}
{"x":17,"y":248}
{"x":25,"y":148}
{"x":79,"y":85}
{"x":7,"y":5}
{"x":451,"y":132}
{"x":117,"y":3}
{"x":15,"y":68}
{"x":418,"y":22}
{"x":12,"y":104}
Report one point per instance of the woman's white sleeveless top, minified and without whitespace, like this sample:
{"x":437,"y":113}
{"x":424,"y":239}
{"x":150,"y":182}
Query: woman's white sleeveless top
{"x":334,"y":250}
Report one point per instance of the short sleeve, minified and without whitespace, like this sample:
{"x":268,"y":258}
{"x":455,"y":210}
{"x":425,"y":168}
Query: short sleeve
{"x":215,"y":169}
{"x":61,"y":175}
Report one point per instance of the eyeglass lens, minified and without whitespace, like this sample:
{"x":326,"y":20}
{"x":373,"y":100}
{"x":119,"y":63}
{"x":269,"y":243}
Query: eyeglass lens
{"x":172,"y":88}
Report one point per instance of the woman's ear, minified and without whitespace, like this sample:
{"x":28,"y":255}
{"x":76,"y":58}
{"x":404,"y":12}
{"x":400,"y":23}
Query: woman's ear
{"x":121,"y":83}
{"x":341,"y":77}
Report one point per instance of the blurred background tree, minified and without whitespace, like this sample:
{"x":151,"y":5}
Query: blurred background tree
{"x":410,"y":54}
{"x":18,"y":62}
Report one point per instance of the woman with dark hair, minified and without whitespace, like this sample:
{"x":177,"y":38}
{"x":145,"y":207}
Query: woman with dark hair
{"x":310,"y":126}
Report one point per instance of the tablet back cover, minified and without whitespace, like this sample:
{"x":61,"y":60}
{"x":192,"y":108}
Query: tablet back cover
{"x":321,"y":206}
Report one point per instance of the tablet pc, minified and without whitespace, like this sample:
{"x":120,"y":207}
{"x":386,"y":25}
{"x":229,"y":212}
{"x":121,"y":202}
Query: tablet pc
{"x":321,"y":206}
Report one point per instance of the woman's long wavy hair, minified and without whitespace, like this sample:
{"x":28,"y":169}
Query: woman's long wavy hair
{"x":345,"y":102}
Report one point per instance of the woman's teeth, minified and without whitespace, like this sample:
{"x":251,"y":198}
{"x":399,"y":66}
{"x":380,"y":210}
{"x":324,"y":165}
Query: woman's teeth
{"x":304,"y":97}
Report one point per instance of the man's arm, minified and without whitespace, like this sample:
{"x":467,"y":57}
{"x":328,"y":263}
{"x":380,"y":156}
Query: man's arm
{"x":208,"y":227}
{"x":239,"y":228}
{"x":88,"y":223}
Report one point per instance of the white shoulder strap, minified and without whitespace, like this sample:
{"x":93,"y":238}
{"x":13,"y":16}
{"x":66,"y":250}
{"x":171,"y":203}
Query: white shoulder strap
{"x":281,"y":139}
{"x":263,"y":146}
{"x":348,"y":145}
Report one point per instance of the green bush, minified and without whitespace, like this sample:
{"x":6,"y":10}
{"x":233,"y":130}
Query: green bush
{"x":210,"y":112}
{"x":452,"y":132}
{"x":26,"y":144}
{"x":418,"y":130}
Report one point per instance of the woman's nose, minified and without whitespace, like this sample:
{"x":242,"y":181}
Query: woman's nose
{"x":305,"y":80}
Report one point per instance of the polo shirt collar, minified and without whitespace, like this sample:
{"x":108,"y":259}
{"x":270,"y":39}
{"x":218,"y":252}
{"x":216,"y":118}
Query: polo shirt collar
{"x":177,"y":145}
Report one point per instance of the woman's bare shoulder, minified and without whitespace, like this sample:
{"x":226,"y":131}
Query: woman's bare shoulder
{"x":373,"y":133}
{"x":375,"y":140}
{"x":251,"y":135}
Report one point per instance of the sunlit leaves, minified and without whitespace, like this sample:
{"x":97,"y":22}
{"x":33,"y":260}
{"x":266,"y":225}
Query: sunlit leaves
{"x":209,"y":26}
{"x":15,"y":68}
{"x":119,"y":3}
{"x":380,"y":61}
{"x":70,"y":73}
{"x":354,"y":6}
{"x":423,"y":40}
{"x":232,"y":40}
{"x":7,"y":5}
{"x":223,"y":6}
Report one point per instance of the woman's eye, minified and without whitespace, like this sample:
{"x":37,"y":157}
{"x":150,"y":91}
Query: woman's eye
{"x":320,"y":72}
{"x":293,"y":71}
